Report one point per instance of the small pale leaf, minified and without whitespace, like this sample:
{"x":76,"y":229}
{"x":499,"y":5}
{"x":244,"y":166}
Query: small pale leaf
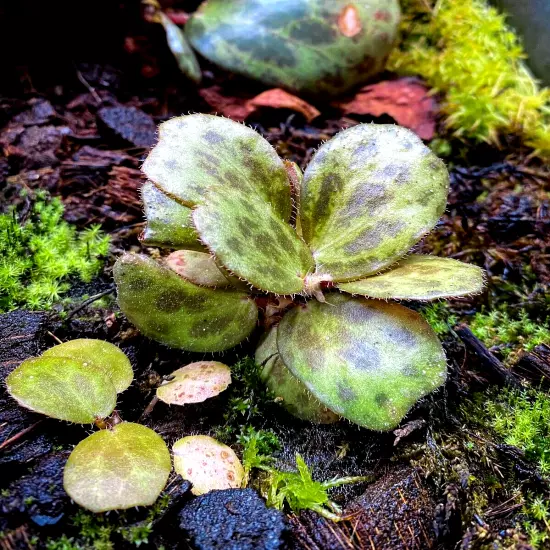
{"x":62,"y":388}
{"x":118,"y":468}
{"x":195,"y":152}
{"x":368,"y":196}
{"x":421,"y":278}
{"x":291,"y":393}
{"x":198,"y":267}
{"x":178,"y":313}
{"x":368,"y":360}
{"x":250,"y":240}
{"x":208,"y":464}
{"x":195,"y":383}
{"x":169,"y":224}
{"x":99,"y":355}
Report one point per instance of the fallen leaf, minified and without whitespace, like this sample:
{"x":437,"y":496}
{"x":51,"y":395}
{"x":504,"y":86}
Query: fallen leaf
{"x":230,"y":106}
{"x":407,"y":430}
{"x":407,"y":100}
{"x":277,"y":98}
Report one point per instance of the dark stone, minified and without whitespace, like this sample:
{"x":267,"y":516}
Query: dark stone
{"x":128,"y":124}
{"x":233,"y":519}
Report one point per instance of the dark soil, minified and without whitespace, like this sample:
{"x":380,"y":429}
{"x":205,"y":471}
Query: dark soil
{"x":82,"y":96}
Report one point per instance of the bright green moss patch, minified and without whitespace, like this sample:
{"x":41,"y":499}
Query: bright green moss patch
{"x":439,"y":317}
{"x":40,"y":253}
{"x":464,"y":49}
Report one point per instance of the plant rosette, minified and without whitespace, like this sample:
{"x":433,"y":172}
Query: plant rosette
{"x":332,"y":244}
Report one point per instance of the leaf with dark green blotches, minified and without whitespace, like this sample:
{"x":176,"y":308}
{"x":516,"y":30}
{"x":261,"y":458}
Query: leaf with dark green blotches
{"x":288,"y":390}
{"x":368,"y":360}
{"x":197,"y":267}
{"x":421,"y":278}
{"x":368,"y":195}
{"x":99,"y":355}
{"x":208,"y":464}
{"x":250,"y":240}
{"x":118,"y":468}
{"x":169,"y":224}
{"x":195,"y":152}
{"x":178,"y":313}
{"x":62,"y":388}
{"x":185,"y":57}
{"x":195,"y":383}
{"x":317,"y":47}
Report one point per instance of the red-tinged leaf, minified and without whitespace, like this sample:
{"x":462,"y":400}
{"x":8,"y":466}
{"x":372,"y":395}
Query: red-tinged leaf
{"x":279,"y":99}
{"x":406,"y":100}
{"x":230,"y":106}
{"x":179,"y":17}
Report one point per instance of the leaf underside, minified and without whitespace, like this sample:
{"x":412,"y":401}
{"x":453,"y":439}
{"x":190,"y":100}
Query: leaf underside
{"x":320,"y":47}
{"x":421,"y":278}
{"x":99,"y":355}
{"x":208,"y":464}
{"x":368,"y":195}
{"x":117,"y":468}
{"x":249,"y":239}
{"x":292,"y":393}
{"x":367,"y":360}
{"x":173,"y":311}
{"x":197,"y":267}
{"x":169,"y":224}
{"x":196,"y":152}
{"x":63,"y":388}
{"x":195,"y":383}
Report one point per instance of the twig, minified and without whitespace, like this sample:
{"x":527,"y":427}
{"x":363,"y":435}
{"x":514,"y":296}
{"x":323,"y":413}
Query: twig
{"x":54,"y":337}
{"x":91,"y":89}
{"x":149,"y":409}
{"x":90,"y":300}
{"x":19,"y":435}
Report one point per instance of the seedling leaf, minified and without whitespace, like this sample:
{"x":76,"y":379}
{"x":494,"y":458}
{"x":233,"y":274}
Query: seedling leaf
{"x":197,"y":267}
{"x":421,"y":278}
{"x":208,"y":464}
{"x":62,"y":388}
{"x":367,"y":360}
{"x":117,"y":468}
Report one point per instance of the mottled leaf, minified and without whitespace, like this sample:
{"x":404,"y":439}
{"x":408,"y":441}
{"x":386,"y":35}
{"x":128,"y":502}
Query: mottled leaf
{"x":208,"y":464}
{"x":118,"y":468}
{"x":169,"y":224}
{"x":195,"y":383}
{"x":250,"y":240}
{"x":198,"y":267}
{"x":185,"y":57}
{"x":318,"y":47}
{"x":421,"y":278}
{"x":195,"y":152}
{"x":62,"y":388}
{"x":99,"y":355}
{"x":367,"y":360}
{"x":368,"y":195}
{"x":288,"y":390}
{"x":178,"y":313}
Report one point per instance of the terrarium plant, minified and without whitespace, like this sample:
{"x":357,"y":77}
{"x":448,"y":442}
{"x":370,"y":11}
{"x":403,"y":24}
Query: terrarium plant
{"x":318,"y":254}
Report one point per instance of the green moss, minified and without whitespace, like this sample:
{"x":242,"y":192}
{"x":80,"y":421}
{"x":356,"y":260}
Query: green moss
{"x":40,"y":254}
{"x":258,"y":446}
{"x":440,"y":317}
{"x":464,"y":49}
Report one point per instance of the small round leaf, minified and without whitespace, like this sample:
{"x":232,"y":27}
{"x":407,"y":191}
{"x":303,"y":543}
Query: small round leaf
{"x":99,"y":355}
{"x":118,"y":468}
{"x":197,"y":267}
{"x":195,"y":383}
{"x":62,"y":388}
{"x":208,"y":464}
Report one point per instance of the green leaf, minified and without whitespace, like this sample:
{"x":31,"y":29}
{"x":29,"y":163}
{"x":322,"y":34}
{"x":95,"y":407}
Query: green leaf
{"x":62,"y":388}
{"x":174,"y":311}
{"x":169,"y":224}
{"x":318,"y":47}
{"x":421,"y":278}
{"x":195,"y":152}
{"x":367,"y":360}
{"x":208,"y":464}
{"x":249,"y":239}
{"x":117,"y":468}
{"x":195,"y":383}
{"x":288,"y":390}
{"x":185,"y":57}
{"x":197,"y":267}
{"x":368,"y":195}
{"x":99,"y":355}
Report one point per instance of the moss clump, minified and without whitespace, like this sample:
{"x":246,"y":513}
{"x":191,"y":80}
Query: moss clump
{"x":440,"y":317}
{"x":464,"y":49}
{"x":39,"y":255}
